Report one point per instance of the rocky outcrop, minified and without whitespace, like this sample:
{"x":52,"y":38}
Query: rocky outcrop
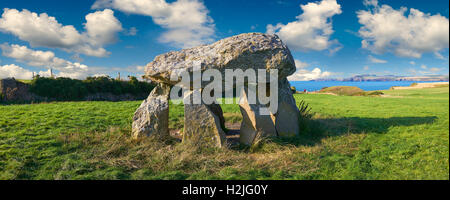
{"x":152,"y":117}
{"x":12,"y":90}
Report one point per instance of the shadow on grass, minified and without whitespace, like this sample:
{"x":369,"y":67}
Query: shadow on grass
{"x":314,"y":130}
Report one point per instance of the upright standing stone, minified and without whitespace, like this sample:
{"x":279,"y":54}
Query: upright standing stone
{"x":217,"y":110}
{"x":152,"y":117}
{"x":253,"y":123}
{"x":202,"y":125}
{"x":288,"y":115}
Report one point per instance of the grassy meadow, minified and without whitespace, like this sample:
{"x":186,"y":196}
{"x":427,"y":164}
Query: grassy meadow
{"x":402,"y":135}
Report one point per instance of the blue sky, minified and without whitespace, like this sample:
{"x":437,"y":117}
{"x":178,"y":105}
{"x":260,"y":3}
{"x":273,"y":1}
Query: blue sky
{"x":124,"y":35}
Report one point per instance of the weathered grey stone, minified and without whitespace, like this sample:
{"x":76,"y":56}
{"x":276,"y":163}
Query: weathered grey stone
{"x":152,"y":117}
{"x":288,"y":115}
{"x":217,"y":110}
{"x":253,"y":123}
{"x":202,"y":125}
{"x":12,"y":90}
{"x":244,"y":51}
{"x":284,"y":123}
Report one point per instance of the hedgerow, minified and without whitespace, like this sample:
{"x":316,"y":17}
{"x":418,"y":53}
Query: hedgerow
{"x":66,"y":89}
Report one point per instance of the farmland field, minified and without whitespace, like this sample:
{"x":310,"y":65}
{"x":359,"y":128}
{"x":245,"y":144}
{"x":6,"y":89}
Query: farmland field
{"x":403,"y":135}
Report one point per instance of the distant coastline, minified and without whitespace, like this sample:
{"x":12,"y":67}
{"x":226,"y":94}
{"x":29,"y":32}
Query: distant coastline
{"x":385,"y":78}
{"x":312,"y":86}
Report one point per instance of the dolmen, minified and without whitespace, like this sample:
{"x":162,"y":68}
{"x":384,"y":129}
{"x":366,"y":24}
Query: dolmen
{"x":244,"y":54}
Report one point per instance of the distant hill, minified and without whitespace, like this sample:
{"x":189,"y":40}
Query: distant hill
{"x":370,"y":77}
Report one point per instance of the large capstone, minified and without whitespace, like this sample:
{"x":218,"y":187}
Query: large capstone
{"x":245,"y":51}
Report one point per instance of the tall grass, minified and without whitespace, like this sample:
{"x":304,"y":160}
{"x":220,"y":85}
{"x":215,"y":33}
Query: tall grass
{"x":349,"y":137}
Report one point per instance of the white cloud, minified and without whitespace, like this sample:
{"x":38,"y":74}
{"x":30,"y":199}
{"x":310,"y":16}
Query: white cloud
{"x":45,"y":59}
{"x":312,"y":29}
{"x":12,"y":70}
{"x":300,"y":65}
{"x":61,"y":67}
{"x":412,"y":71}
{"x":102,"y":27}
{"x":26,"y":55}
{"x":385,"y":29}
{"x":187,"y":21}
{"x":132,"y":31}
{"x":435,"y":69}
{"x":425,"y":70}
{"x":77,"y":58}
{"x":41,"y":30}
{"x":439,"y":55}
{"x":303,"y":74}
{"x":75,"y":74}
{"x":412,"y":62}
{"x":306,"y":75}
{"x":370,"y":2}
{"x":376,"y":60}
{"x":15,"y":71}
{"x":47,"y":73}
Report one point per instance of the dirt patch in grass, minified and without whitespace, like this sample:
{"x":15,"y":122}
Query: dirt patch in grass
{"x":232,"y":133}
{"x":390,"y":96}
{"x":422,"y":85}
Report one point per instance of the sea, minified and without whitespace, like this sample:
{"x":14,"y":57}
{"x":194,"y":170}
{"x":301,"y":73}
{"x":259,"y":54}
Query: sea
{"x":366,"y":85}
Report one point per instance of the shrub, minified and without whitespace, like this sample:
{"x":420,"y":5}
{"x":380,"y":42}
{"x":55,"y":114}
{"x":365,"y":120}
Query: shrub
{"x":343,"y":90}
{"x":413,"y":84}
{"x":66,"y":89}
{"x":58,"y":88}
{"x":305,"y":110}
{"x":375,"y":93}
{"x":293,"y":89}
{"x":305,"y":115}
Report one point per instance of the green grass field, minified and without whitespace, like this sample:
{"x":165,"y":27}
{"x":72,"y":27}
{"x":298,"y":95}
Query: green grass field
{"x":402,"y":136}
